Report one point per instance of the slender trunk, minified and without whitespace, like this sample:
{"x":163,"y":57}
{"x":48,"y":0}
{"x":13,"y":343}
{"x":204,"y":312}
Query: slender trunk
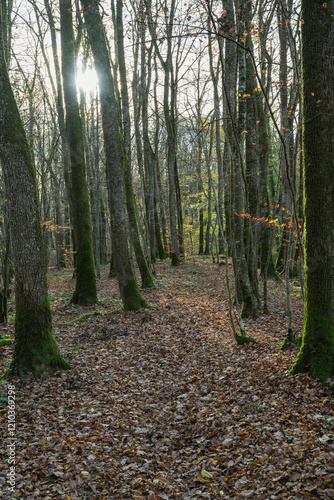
{"x":103,"y":234}
{"x":169,"y":104}
{"x":235,"y":137}
{"x":4,"y":271}
{"x":147,"y":279}
{"x":267,"y":265}
{"x":283,"y":76}
{"x":65,"y":157}
{"x":85,"y":286}
{"x":60,"y":248}
{"x":252,"y":155}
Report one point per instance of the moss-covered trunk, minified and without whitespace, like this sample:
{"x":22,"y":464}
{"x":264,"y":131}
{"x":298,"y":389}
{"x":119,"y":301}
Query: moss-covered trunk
{"x":146,"y":277}
{"x":317,"y":351}
{"x":35,"y":348}
{"x":85,"y":287}
{"x":132,"y":299}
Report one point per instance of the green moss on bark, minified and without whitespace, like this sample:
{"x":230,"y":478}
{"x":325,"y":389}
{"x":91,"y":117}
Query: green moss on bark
{"x":114,"y":159}
{"x":147,"y":281}
{"x":290,"y":338}
{"x":132,"y":298}
{"x":85,"y":288}
{"x":35,"y":349}
{"x":85,"y":293}
{"x":244,"y":339}
{"x":316,"y":355}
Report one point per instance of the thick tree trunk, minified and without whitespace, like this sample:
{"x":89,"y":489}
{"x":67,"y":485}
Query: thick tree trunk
{"x":35,"y":348}
{"x":317,"y":351}
{"x":85,"y":286}
{"x":132,"y":299}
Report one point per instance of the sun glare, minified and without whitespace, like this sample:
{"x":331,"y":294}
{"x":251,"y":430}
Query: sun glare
{"x":87,"y":80}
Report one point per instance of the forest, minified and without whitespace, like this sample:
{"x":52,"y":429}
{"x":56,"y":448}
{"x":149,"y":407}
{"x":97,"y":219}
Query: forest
{"x":166,"y":249}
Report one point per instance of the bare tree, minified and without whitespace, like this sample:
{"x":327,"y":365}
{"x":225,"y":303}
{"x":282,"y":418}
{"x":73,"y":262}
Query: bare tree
{"x":35,"y":348}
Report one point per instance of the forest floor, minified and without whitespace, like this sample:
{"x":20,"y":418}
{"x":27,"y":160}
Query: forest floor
{"x":164,"y":404}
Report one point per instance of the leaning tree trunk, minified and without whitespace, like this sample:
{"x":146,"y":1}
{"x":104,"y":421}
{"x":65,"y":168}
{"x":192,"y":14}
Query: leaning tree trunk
{"x":85,"y":287}
{"x":132,"y":299}
{"x":35,"y":349}
{"x":317,"y":351}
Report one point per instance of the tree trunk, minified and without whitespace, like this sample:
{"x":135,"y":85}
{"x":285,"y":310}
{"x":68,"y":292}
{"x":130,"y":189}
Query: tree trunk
{"x":60,"y":247}
{"x":4,"y":270}
{"x":147,"y":279}
{"x":235,"y":137}
{"x":65,"y":157}
{"x":169,"y":106}
{"x":267,"y":265}
{"x":103,"y":234}
{"x":316,"y":356}
{"x":252,"y":161}
{"x":132,"y":299}
{"x":284,"y":116}
{"x":85,"y":286}
{"x":35,"y":349}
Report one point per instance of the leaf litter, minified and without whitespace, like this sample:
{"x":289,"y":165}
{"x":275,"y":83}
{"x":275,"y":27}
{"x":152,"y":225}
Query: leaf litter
{"x":163,"y":404}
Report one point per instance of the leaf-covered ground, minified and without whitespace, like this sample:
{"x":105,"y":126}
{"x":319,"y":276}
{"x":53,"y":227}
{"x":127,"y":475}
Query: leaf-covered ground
{"x":163,"y":404}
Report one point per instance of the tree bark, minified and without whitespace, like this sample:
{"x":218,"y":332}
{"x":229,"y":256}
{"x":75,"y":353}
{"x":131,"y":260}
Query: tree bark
{"x":65,"y":157}
{"x":85,"y":286}
{"x":35,"y":349}
{"x":235,"y":141}
{"x":132,"y":299}
{"x":316,"y":356}
{"x":147,"y":279}
{"x":169,"y":106}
